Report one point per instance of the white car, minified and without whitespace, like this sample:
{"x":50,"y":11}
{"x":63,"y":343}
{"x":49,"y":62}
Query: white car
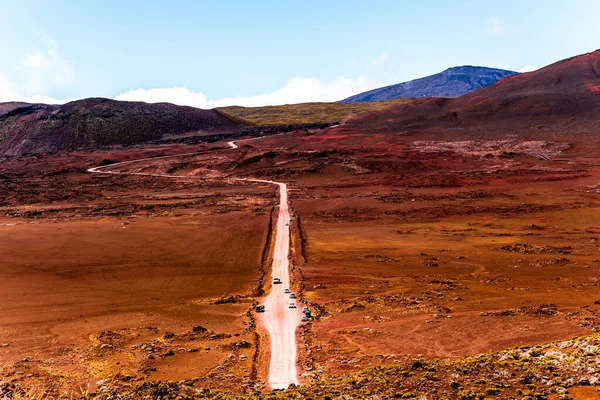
{"x":286,"y":290}
{"x":304,"y":318}
{"x":292,"y":295}
{"x":304,"y":309}
{"x":292,"y":305}
{"x":276,"y":280}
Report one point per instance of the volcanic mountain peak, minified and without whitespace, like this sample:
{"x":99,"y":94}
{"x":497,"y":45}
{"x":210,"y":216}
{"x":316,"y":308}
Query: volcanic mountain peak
{"x":452,"y":82}
{"x":93,"y":122}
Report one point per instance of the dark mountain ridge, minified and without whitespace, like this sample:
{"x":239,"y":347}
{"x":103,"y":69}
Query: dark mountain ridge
{"x":96,"y":122}
{"x":452,"y":82}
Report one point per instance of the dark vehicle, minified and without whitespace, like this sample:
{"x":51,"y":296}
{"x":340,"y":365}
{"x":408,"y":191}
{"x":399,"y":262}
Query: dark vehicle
{"x":260,"y":308}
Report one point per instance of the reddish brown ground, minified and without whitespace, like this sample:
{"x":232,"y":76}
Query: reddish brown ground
{"x":138,"y":277}
{"x":409,"y":251}
{"x":402,"y":248}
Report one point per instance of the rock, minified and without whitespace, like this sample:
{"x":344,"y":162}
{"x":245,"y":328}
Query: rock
{"x":243,"y":344}
{"x":199,"y":329}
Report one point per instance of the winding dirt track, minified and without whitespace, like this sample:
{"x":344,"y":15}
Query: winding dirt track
{"x":280,"y":321}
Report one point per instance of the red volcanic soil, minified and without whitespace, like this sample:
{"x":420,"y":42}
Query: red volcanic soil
{"x":554,"y":95}
{"x":128,"y":276}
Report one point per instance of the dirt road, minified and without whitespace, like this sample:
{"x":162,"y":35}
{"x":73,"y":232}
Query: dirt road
{"x":279,"y":320}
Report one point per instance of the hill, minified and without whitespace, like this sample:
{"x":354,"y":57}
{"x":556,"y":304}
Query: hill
{"x":452,"y":82}
{"x":7,"y":107}
{"x":97,"y":122}
{"x":564,"y":94}
{"x":305,"y":113}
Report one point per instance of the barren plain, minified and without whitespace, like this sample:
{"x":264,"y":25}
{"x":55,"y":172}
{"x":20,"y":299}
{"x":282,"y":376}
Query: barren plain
{"x":403,"y":250}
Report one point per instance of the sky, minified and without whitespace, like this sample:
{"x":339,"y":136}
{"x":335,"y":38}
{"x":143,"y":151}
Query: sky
{"x":216,"y":53}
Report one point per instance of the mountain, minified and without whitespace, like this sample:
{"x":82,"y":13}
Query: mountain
{"x":566,"y":93}
{"x":7,"y":107}
{"x":95,"y":122}
{"x":452,"y":82}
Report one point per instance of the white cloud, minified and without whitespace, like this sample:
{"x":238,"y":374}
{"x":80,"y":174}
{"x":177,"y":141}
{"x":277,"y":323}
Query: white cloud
{"x":6,"y":87}
{"x":297,"y":90}
{"x":528,"y":68}
{"x":381,"y":59}
{"x":495,"y":26}
{"x":46,"y":69}
{"x":37,"y":74}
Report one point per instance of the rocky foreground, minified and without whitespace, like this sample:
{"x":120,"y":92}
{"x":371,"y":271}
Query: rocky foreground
{"x":537,"y":372}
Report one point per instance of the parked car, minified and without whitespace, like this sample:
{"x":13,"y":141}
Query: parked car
{"x":276,"y":280}
{"x":305,"y":309}
{"x":286,"y":290}
{"x":292,"y":305}
{"x":304,"y":318}
{"x":292,"y":295}
{"x":260,"y":308}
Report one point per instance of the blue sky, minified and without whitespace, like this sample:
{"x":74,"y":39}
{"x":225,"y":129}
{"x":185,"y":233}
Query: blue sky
{"x":208,"y":53}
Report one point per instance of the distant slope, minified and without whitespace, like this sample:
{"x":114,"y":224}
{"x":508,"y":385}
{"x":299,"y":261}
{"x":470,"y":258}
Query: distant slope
{"x":452,"y":82}
{"x":96,"y":122}
{"x":7,"y":107}
{"x":304,"y":113}
{"x":564,"y":94}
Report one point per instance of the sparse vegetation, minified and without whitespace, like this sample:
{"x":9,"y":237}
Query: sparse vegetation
{"x":305,"y":113}
{"x":522,"y":372}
